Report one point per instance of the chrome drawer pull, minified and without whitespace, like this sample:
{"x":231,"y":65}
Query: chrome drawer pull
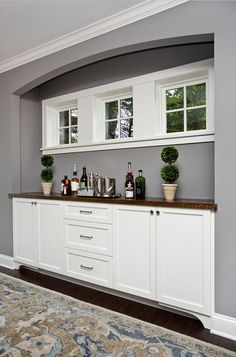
{"x":85,"y":267}
{"x":86,"y":212}
{"x":85,"y":237}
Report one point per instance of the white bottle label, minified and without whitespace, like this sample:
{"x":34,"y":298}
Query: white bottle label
{"x":129,"y":194}
{"x":74,"y":186}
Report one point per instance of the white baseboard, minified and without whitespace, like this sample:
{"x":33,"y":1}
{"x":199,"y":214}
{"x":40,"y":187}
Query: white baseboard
{"x":7,"y":262}
{"x":223,"y":326}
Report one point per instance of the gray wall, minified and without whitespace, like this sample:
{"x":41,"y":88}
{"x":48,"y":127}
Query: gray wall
{"x":194,"y":17}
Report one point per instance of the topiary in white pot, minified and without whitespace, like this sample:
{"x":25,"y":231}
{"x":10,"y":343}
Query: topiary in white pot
{"x":47,"y":174}
{"x":169,"y":172}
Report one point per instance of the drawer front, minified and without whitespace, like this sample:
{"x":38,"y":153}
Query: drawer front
{"x":93,"y":268}
{"x":90,"y":237}
{"x":88,"y":212}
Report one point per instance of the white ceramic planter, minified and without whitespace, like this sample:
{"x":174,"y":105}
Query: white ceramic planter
{"x":169,"y":191}
{"x":47,"y":186}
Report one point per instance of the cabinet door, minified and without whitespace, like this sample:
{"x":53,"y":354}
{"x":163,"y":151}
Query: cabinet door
{"x":24,"y":232}
{"x":184,"y":259}
{"x":134,"y":250}
{"x":49,"y":235}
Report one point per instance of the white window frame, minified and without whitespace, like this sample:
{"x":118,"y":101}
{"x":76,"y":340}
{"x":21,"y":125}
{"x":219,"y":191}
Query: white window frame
{"x":124,"y":95}
{"x":184,"y":84}
{"x":62,"y":109}
{"x":147,"y":93}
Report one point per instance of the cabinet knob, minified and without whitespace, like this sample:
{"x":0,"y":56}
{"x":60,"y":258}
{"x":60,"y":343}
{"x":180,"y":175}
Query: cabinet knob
{"x":157,"y":213}
{"x":151,"y":212}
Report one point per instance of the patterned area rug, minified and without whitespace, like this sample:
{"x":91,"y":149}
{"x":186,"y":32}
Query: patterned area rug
{"x":38,"y":322}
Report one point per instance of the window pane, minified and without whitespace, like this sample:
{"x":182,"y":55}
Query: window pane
{"x":74,"y":135}
{"x":126,"y":128}
{"x":64,"y":136}
{"x":74,"y":116}
{"x":196,"y":95}
{"x":175,"y":122}
{"x":64,"y":118}
{"x":126,"y":107}
{"x":196,"y":119}
{"x":174,"y":98}
{"x":112,"y":130}
{"x":111,"y":110}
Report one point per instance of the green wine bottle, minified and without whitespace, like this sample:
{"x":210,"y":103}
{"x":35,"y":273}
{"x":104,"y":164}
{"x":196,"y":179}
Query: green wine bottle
{"x":140,"y":185}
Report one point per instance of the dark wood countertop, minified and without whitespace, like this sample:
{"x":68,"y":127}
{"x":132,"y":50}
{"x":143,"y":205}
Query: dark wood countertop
{"x":149,"y":201}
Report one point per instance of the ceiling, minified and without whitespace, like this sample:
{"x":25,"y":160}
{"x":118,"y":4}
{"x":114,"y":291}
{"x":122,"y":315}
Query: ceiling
{"x":27,"y":24}
{"x":32,"y":29}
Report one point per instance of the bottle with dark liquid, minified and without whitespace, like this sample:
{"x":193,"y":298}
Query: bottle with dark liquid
{"x":65,"y":186}
{"x":129,"y":183}
{"x":84,"y":180}
{"x":74,"y":182}
{"x":140,"y":185}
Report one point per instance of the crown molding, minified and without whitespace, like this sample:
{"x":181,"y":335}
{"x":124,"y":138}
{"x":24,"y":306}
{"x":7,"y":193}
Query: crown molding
{"x":123,"y":18}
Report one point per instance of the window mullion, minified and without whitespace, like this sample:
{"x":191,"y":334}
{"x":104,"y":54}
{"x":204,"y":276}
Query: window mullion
{"x":185,"y":108}
{"x":119,"y":118}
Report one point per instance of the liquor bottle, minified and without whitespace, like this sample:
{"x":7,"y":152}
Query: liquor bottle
{"x":65,"y":186}
{"x":84,"y":180}
{"x":74,"y":182}
{"x":129,"y":183}
{"x":140,"y":185}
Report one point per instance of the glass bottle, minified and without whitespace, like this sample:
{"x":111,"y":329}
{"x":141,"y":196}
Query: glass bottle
{"x":84,"y":180}
{"x":140,"y":185}
{"x":65,"y":186}
{"x":74,"y":182}
{"x":129,"y":183}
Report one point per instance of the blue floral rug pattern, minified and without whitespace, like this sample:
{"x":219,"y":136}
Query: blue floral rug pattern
{"x":36,"y":322}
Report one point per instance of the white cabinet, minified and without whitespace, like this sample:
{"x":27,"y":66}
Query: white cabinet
{"x":163,"y":254}
{"x":49,"y":235}
{"x":24,"y":232}
{"x":37,"y":233}
{"x":134,"y":250}
{"x":183,"y":272}
{"x":87,"y":242}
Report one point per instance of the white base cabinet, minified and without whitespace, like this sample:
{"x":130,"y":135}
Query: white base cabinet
{"x":87,"y":242}
{"x":158,"y":253}
{"x":37,"y":233}
{"x":24,"y":232}
{"x":183,"y":257}
{"x":134,"y":250}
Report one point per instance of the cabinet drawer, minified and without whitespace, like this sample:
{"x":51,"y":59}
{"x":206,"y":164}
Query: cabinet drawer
{"x":90,"y":237}
{"x":89,"y":267}
{"x":88,"y":212}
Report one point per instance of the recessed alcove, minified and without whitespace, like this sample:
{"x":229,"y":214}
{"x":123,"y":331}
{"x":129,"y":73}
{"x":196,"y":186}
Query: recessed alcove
{"x":121,"y":63}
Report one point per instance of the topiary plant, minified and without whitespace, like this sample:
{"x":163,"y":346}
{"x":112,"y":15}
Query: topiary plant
{"x":47,"y":174}
{"x":169,"y":154}
{"x":169,"y":172}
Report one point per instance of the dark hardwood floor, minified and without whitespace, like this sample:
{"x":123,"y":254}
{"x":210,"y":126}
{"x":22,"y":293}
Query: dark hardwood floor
{"x":182,"y":324}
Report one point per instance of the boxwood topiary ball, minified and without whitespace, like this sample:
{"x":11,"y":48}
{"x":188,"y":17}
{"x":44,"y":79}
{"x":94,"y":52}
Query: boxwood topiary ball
{"x":47,"y":175}
{"x":169,"y":154}
{"x":170,"y":173}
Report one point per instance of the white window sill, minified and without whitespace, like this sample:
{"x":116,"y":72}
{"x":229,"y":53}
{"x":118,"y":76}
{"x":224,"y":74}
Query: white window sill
{"x":170,"y":139}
